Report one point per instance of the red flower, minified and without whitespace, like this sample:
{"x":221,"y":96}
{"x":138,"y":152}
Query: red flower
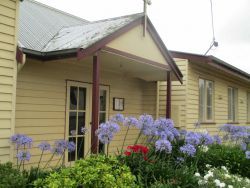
{"x":127,"y":153}
{"x":137,"y":149}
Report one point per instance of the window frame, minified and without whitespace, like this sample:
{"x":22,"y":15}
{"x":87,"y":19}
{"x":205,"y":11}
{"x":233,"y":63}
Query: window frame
{"x":234,"y":107}
{"x":204,"y":118}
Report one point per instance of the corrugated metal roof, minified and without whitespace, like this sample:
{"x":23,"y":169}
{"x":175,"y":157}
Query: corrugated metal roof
{"x":83,"y":36}
{"x":39,"y":23}
{"x":45,"y":29}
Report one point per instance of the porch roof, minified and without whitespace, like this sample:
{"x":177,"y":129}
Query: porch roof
{"x":84,"y":38}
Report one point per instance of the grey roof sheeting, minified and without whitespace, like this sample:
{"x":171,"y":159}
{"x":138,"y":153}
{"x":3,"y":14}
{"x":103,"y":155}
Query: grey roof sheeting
{"x":45,"y":29}
{"x":83,"y":36}
{"x":39,"y":23}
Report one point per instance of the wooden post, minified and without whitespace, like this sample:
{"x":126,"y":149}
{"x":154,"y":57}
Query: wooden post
{"x":95,"y":103}
{"x":168,"y":96}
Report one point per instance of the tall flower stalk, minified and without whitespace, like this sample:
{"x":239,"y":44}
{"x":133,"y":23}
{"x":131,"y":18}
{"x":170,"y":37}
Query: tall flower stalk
{"x":22,"y":143}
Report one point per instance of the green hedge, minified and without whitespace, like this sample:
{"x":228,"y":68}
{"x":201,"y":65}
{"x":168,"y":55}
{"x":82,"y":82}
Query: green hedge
{"x":225,"y":155}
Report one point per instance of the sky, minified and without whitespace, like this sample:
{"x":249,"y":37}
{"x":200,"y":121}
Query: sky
{"x":184,"y":25}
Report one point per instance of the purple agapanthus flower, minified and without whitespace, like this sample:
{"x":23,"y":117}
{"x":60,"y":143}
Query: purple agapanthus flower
{"x":15,"y":138}
{"x":206,"y":139}
{"x":188,"y":149}
{"x":243,"y":146}
{"x":23,"y":155}
{"x":60,"y":147}
{"x":163,"y":145}
{"x":44,"y":146}
{"x":71,"y":146}
{"x":180,"y":159}
{"x":235,"y":133}
{"x":247,"y":154}
{"x":58,"y":150}
{"x":21,"y":140}
{"x":165,"y":129}
{"x":118,"y":118}
{"x":61,"y":144}
{"x":217,"y":139}
{"x":106,"y":132}
{"x":145,"y":121}
{"x":183,"y":132}
{"x":193,"y":138}
{"x":131,"y":121}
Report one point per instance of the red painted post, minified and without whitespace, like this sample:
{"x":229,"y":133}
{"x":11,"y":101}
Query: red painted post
{"x":168,"y":96}
{"x":95,"y":103}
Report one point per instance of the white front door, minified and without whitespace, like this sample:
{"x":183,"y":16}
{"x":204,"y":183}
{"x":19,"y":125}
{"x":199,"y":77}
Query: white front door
{"x":78,"y":117}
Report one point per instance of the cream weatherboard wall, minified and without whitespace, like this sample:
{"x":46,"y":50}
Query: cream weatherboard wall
{"x":186,"y":96}
{"x":41,"y":99}
{"x":133,"y":42}
{"x":178,"y":96}
{"x":221,"y":83}
{"x":8,"y":42}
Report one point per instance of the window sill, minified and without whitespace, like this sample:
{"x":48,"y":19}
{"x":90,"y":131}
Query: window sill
{"x":206,"y":123}
{"x":248,"y":122}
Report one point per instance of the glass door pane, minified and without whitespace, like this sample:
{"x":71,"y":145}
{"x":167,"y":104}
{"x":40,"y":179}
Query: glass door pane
{"x":77,"y":121}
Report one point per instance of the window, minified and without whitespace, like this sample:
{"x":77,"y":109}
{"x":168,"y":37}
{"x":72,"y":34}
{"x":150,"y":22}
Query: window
{"x":206,"y":90}
{"x":232,"y":104}
{"x":248,"y":106}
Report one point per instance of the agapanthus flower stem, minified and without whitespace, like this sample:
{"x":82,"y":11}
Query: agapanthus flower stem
{"x":17,"y":157}
{"x":125,"y":138}
{"x":49,"y":160}
{"x":139,"y":135}
{"x":60,"y":159}
{"x":78,"y":152}
{"x":107,"y":150}
{"x":39,"y":162}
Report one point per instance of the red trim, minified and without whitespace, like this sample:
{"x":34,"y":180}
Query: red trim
{"x":168,"y":97}
{"x":82,"y":53}
{"x":213,"y":62}
{"x":194,"y":58}
{"x":95,"y":103}
{"x":19,"y":55}
{"x":134,"y":57}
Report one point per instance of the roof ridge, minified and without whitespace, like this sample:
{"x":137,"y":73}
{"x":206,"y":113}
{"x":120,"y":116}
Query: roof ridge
{"x":118,"y":17}
{"x":107,"y":19}
{"x":57,"y":10}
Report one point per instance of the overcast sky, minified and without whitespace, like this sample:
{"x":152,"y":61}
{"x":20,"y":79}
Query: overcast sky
{"x":184,"y":25}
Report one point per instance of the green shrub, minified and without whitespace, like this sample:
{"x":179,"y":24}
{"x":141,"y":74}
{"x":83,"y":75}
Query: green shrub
{"x":11,"y":177}
{"x":225,"y":155}
{"x":160,"y":169}
{"x":95,"y":171}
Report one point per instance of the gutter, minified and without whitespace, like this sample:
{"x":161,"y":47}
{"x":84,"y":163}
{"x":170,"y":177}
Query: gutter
{"x":45,"y":56}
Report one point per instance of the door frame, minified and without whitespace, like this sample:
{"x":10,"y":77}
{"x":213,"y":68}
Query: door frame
{"x":87,"y":136}
{"x":88,"y":111}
